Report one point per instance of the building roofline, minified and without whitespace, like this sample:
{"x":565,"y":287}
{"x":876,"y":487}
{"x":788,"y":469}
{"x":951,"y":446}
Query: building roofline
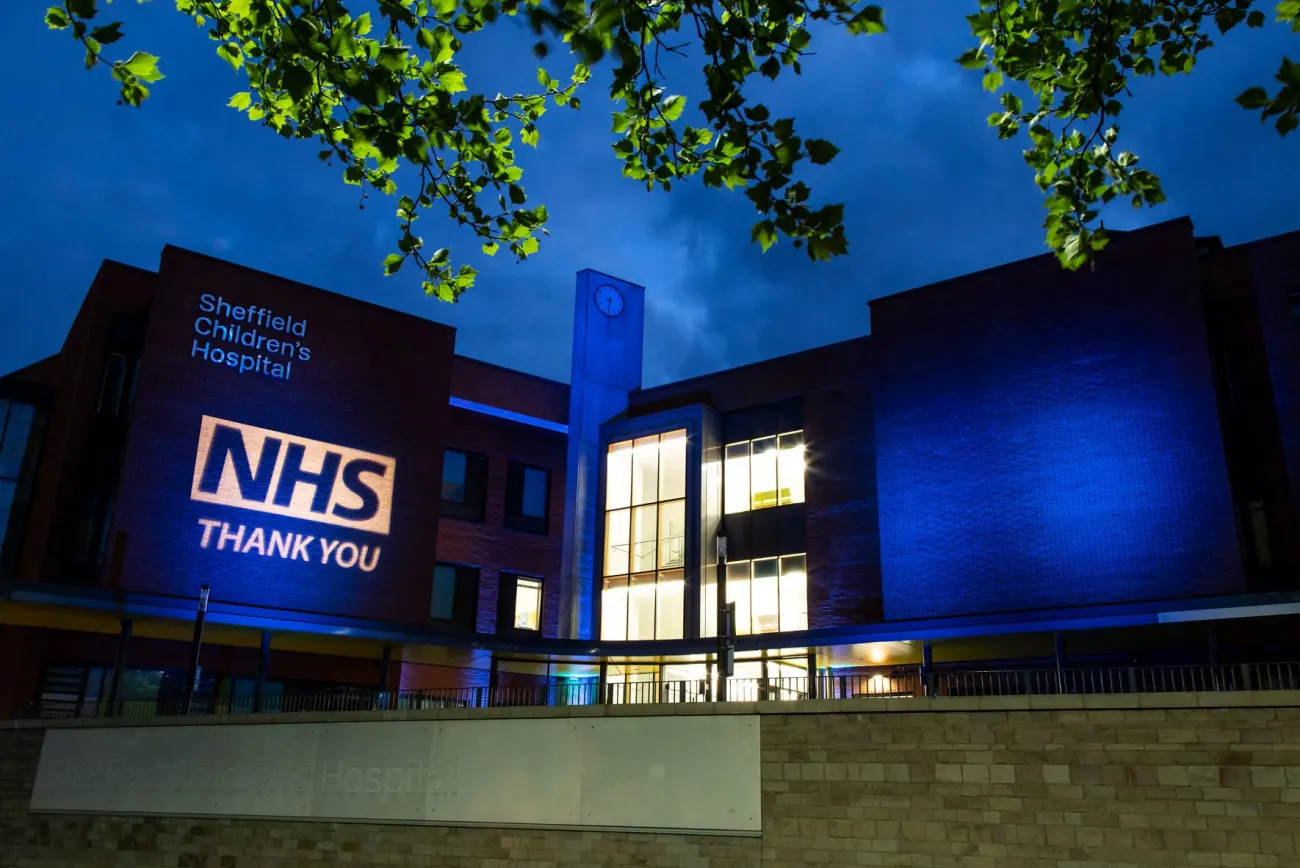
{"x":299,"y":283}
{"x":749,"y":365}
{"x":538,"y":377}
{"x":971,"y":275}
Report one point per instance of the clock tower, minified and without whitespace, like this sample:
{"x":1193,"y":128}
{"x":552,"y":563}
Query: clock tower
{"x":608,"y":339}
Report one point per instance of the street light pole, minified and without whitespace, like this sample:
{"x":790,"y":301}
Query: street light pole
{"x":192,"y":682}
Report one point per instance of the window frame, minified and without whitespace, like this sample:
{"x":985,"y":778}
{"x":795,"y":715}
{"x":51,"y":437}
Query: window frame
{"x":645,"y":564}
{"x":473,"y":507}
{"x":465,"y":592}
{"x":516,"y":487}
{"x":508,"y":592}
{"x":733,"y":461}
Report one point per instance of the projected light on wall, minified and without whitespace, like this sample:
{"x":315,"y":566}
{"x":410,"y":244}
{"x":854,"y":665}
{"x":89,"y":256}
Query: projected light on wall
{"x":1025,"y":468}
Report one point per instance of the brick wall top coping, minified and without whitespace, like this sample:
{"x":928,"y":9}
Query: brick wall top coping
{"x":1238,"y":699}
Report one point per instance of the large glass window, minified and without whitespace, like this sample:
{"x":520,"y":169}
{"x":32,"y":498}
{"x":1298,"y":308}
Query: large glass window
{"x":765,"y":472}
{"x":645,"y":538}
{"x":771,"y":595}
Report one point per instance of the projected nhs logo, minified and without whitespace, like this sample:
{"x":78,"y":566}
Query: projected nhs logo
{"x":267,"y":471}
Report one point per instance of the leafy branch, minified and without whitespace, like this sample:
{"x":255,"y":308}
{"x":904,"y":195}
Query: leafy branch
{"x":1075,"y":58}
{"x":381,"y":91}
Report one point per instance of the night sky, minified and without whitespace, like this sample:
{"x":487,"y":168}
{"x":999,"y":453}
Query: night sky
{"x":930,"y":191}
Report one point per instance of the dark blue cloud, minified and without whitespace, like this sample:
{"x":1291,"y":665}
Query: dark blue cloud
{"x":929,"y":191}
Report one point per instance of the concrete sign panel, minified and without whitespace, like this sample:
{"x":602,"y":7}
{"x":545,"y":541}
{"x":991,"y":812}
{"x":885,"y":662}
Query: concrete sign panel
{"x":684,"y":774}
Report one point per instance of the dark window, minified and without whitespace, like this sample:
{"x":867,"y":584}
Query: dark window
{"x":519,"y":603}
{"x":21,"y":427}
{"x":528,"y":490}
{"x":455,"y":594}
{"x":464,"y":485}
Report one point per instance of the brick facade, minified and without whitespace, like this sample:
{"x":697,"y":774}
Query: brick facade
{"x":1187,"y":780}
{"x":1047,"y":439}
{"x":490,"y":545}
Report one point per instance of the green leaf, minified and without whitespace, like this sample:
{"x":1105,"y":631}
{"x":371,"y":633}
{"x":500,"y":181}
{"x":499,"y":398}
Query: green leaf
{"x":972,"y":59}
{"x":107,"y":34}
{"x":1253,"y":98}
{"x":764,"y":232}
{"x":992,"y":80}
{"x":56,"y":18}
{"x":241,"y":101}
{"x":821,"y":151}
{"x":453,"y":81}
{"x":143,"y":66}
{"x":82,"y":8}
{"x":298,"y":81}
{"x":393,"y":263}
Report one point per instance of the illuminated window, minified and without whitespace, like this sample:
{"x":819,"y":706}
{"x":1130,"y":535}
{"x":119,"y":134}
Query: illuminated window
{"x":519,"y":603}
{"x":20,"y":426}
{"x":464,"y":485}
{"x":645,"y":538}
{"x":771,"y":596}
{"x":455,"y":594}
{"x":768,"y":471}
{"x":528,"y":489}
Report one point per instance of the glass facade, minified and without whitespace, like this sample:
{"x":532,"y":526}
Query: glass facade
{"x":765,"y":472}
{"x":771,"y":595}
{"x":645,"y":538}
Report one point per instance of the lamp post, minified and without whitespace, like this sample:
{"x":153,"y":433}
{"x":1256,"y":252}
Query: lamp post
{"x":192,"y":682}
{"x":726,"y":618}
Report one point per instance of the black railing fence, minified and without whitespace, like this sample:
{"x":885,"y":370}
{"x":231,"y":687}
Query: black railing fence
{"x":901,"y":683}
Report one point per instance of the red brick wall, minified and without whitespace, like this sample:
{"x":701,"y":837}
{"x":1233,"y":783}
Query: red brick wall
{"x":376,"y":380}
{"x":491,"y":546}
{"x":75,"y":375}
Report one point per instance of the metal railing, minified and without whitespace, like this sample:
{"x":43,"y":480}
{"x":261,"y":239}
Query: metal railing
{"x":900,"y":683}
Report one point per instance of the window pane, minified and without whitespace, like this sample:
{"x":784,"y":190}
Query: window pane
{"x":444,"y":592}
{"x":794,"y":594}
{"x":641,"y":608}
{"x":762,"y":469}
{"x":644,"y":538}
{"x":618,"y":476}
{"x":613,"y":610}
{"x":15,"y":439}
{"x":528,"y":604}
{"x":453,"y":476}
{"x":534,"y":499}
{"x":736,"y":498}
{"x":790,"y":467}
{"x":672,"y":465}
{"x":672,"y":534}
{"x":140,"y":684}
{"x":738,"y":593}
{"x":7,"y":489}
{"x":645,"y":470}
{"x":617,"y":542}
{"x":670,"y":616}
{"x":764,"y":590}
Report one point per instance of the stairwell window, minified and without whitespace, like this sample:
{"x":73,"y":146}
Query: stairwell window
{"x":645,"y":538}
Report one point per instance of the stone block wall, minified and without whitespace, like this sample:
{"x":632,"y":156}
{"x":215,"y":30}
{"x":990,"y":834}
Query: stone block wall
{"x":1053,"y":782}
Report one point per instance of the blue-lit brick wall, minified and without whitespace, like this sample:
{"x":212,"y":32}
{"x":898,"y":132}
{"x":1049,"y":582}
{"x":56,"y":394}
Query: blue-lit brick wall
{"x":1048,"y":439}
{"x":1275,"y":272}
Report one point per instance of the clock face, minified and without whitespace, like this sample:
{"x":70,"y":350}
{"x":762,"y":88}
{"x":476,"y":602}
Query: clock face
{"x":609,"y":300}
